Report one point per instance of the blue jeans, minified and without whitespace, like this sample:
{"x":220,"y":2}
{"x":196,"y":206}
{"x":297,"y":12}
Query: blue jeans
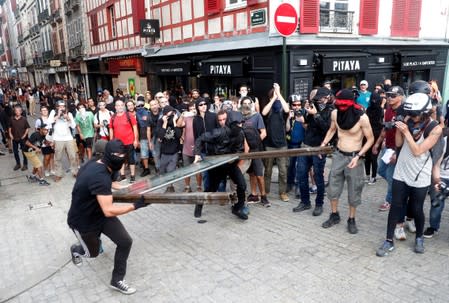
{"x":386,"y":171}
{"x":303,"y":166}
{"x":435,"y":212}
{"x":291,"y":171}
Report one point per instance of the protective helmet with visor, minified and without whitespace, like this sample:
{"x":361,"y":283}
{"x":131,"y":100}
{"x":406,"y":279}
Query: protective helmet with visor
{"x":417,"y":104}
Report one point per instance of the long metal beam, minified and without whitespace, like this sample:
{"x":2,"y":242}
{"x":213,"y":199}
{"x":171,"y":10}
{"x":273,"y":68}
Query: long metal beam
{"x":219,"y":198}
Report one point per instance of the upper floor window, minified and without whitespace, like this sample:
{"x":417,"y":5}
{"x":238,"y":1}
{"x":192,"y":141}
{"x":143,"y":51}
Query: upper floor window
{"x":230,"y":4}
{"x":335,"y":16}
{"x":112,"y":27}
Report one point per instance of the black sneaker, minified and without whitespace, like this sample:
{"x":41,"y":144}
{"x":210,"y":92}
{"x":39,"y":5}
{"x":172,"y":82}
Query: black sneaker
{"x":24,"y":168}
{"x":430,"y":232}
{"x":239,"y":212}
{"x":334,"y":218}
{"x":318,"y":211}
{"x":264,"y":201}
{"x":252,"y":198}
{"x":170,"y":189}
{"x":132,"y":179}
{"x":17,"y":167}
{"x":32,"y":178}
{"x":76,"y":252}
{"x":301,"y":207}
{"x":43,"y":183}
{"x":352,"y":227}
{"x":145,"y":172}
{"x":122,"y":287}
{"x":198,"y":210}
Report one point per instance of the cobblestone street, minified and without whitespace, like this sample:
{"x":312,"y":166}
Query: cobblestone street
{"x":275,"y":256}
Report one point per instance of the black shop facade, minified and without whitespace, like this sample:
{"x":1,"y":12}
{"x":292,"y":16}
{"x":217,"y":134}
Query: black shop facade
{"x":346,"y":67}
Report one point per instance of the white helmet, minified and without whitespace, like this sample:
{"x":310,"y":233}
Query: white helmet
{"x":417,"y":104}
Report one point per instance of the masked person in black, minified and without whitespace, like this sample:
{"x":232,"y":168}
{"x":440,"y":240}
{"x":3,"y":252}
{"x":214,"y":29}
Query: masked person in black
{"x":227,"y":139}
{"x":92,"y":213}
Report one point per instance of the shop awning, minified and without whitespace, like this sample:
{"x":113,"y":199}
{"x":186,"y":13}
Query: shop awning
{"x":344,"y":62}
{"x":417,"y":60}
{"x":172,"y":68}
{"x":344,"y":54}
{"x":231,"y":66}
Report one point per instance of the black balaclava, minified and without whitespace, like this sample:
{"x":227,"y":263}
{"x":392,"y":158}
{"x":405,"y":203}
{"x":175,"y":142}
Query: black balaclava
{"x":112,"y":161}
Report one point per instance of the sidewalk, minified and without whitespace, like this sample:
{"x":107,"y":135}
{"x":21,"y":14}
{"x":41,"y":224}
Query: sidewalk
{"x":275,"y":256}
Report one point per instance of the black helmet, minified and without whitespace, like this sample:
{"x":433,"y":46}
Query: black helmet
{"x":419,"y":86}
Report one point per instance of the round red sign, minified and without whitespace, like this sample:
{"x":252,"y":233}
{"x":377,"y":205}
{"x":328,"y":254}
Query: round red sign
{"x":285,"y":19}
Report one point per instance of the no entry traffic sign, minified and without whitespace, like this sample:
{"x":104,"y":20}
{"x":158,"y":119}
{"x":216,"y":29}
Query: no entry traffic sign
{"x":285,"y":19}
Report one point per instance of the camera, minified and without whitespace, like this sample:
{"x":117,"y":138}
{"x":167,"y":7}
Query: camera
{"x":440,"y":195}
{"x":391,"y":124}
{"x":105,"y":123}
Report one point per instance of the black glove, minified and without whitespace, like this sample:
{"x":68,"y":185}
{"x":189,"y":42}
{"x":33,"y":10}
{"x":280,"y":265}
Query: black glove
{"x":140,"y":203}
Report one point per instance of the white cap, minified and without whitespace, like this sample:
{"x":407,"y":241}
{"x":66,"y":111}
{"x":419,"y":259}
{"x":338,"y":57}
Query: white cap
{"x":364,"y":82}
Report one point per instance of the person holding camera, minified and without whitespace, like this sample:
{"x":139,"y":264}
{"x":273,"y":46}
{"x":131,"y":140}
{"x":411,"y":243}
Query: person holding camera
{"x":317,"y":120}
{"x":169,"y":135}
{"x":295,"y":135}
{"x":101,"y":121}
{"x":439,"y":190}
{"x":62,"y":123}
{"x":412,"y":175}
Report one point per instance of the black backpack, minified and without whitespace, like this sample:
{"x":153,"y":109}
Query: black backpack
{"x":252,"y":137}
{"x":437,"y":150}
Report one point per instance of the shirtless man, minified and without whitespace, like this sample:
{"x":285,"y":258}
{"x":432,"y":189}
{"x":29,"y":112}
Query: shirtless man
{"x":352,"y":125}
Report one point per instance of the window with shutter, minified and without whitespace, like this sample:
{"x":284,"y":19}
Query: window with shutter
{"x":138,"y":8}
{"x":212,"y":6}
{"x":309,"y":18}
{"x":369,"y":17}
{"x":406,"y":18}
{"x":413,"y":21}
{"x":94,"y":24}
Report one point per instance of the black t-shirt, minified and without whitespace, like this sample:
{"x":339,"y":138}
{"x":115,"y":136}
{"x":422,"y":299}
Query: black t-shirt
{"x":85,"y":213}
{"x":37,"y":139}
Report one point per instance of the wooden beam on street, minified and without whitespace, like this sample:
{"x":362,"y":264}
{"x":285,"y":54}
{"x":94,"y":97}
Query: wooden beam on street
{"x":220,"y":198}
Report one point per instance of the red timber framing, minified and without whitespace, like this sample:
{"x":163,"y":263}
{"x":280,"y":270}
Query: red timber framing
{"x":212,"y":9}
{"x":100,"y":27}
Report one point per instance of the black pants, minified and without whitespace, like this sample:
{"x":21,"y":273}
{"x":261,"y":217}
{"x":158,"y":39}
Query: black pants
{"x":402,"y":193}
{"x":114,"y":230}
{"x":218,"y":174}
{"x":15,"y":148}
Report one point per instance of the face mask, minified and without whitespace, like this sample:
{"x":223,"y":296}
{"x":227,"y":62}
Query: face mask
{"x":110,"y":158}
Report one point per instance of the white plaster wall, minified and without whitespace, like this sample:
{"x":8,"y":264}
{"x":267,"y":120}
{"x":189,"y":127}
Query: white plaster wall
{"x":228,"y":23}
{"x":187,"y":31}
{"x":199,"y":29}
{"x":434,"y":19}
{"x":214,"y":26}
{"x":242,"y":21}
{"x":198,"y":8}
{"x":176,"y":34}
{"x":176,"y":13}
{"x":186,"y":10}
{"x":166,"y":19}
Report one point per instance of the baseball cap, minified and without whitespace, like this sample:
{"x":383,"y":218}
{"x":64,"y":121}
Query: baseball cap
{"x":345,"y":94}
{"x":395,"y":90}
{"x":322,"y":92}
{"x":364,"y":82}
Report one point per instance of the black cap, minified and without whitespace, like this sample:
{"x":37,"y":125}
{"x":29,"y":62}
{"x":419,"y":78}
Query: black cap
{"x":345,"y":94}
{"x":395,"y":90}
{"x":167,"y":109}
{"x":322,"y":92}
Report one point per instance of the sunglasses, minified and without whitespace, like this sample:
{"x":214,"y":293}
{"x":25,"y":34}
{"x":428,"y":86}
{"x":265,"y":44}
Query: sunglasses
{"x":201,"y":104}
{"x":392,"y":95}
{"x":296,"y":104}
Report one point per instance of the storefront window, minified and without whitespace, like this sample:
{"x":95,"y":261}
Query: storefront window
{"x":405,"y":78}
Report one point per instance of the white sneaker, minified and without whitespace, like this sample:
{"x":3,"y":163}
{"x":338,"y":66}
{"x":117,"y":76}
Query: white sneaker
{"x":47,"y":173}
{"x":52,"y":172}
{"x":410,"y":226}
{"x":399,"y":233}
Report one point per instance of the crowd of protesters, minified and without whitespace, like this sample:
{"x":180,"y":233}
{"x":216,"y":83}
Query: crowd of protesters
{"x":381,"y":131}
